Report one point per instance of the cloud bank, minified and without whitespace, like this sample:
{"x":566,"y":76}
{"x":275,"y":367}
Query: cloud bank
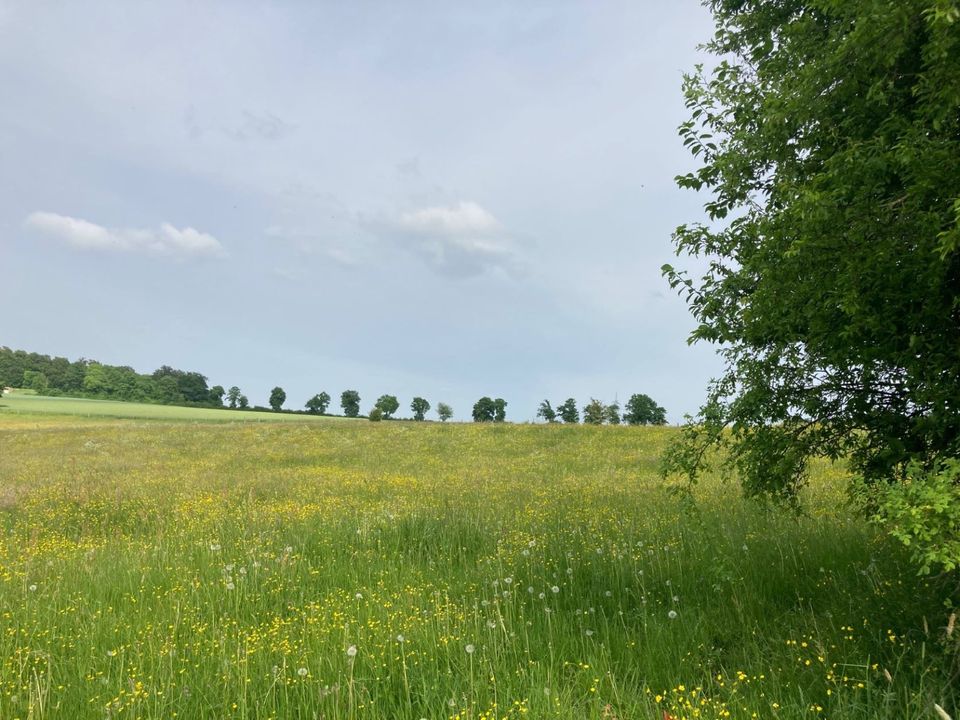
{"x":459,"y":240}
{"x":85,"y":235}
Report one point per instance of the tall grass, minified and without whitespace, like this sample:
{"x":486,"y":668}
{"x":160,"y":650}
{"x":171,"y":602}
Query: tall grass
{"x":398,"y":570}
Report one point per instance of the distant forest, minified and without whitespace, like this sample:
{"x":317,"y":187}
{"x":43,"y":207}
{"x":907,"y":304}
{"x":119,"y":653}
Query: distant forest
{"x":89,"y":378}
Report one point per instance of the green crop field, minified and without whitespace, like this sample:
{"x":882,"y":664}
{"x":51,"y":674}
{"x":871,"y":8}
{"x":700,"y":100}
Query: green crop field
{"x":26,"y":402}
{"x":417,"y":570}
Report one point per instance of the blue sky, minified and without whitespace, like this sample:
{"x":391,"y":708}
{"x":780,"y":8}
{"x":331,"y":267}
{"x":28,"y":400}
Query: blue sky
{"x":439,"y":199}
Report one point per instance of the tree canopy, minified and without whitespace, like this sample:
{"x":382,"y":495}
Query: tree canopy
{"x":420,"y":407}
{"x":829,"y":140}
{"x":388,"y":405}
{"x":277,"y":398}
{"x":444,"y":411}
{"x":350,"y":402}
{"x":318,"y":403}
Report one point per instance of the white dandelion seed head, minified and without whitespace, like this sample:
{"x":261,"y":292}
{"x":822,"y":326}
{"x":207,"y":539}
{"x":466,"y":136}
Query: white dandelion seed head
{"x":352,"y":651}
{"x":302,"y":672}
{"x":470,"y":648}
{"x":589,"y":633}
{"x":491,"y":624}
{"x":508,"y":580}
{"x":569,"y":571}
{"x":608,"y":593}
{"x":555,"y":589}
{"x":530,"y":589}
{"x":400,"y":638}
{"x":32,"y":588}
{"x":541,"y":596}
{"x":525,"y":552}
{"x":672,"y":614}
{"x":230,"y":586}
{"x":676,"y":598}
{"x":359,"y":596}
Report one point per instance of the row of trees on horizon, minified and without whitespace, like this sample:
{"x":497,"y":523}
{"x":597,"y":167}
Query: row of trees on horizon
{"x":170,"y":386}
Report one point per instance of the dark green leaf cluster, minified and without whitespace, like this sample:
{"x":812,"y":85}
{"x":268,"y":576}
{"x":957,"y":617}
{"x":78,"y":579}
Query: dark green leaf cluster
{"x":489,"y":410}
{"x":829,"y":143}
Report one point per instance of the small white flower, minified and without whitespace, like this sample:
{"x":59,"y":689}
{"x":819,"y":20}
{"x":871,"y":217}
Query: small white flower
{"x":555,"y":589}
{"x":525,"y":552}
{"x":672,"y":614}
{"x":302,"y":672}
{"x":230,"y":586}
{"x":569,"y":571}
{"x":541,"y":596}
{"x":32,"y":588}
{"x":400,"y":638}
{"x":470,"y":648}
{"x":508,"y":580}
{"x":352,"y":651}
{"x":229,"y":567}
{"x":215,"y":547}
{"x":288,"y":549}
{"x":532,"y":543}
{"x":676,"y":598}
{"x":608,"y":593}
{"x":359,"y":596}
{"x":530,"y":589}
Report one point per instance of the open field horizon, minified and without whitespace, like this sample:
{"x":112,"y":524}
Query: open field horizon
{"x":20,"y":402}
{"x":413,"y":570}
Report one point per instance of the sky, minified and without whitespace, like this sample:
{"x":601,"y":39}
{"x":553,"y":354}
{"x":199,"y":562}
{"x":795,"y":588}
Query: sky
{"x":440,"y":199}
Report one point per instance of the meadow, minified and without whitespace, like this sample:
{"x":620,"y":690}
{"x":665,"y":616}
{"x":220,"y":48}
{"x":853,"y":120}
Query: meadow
{"x":20,"y":401}
{"x":158,"y":569}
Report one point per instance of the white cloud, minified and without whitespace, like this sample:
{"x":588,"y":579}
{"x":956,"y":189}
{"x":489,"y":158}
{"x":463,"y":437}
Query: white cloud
{"x":85,"y":235}
{"x":462,"y":239}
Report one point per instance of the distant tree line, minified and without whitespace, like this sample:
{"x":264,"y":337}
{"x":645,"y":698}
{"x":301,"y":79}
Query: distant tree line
{"x":167,"y":385}
{"x":640,"y":410}
{"x":89,"y":378}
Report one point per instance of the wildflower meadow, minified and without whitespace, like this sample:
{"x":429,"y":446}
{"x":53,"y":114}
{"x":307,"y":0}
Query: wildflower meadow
{"x":344,"y":569}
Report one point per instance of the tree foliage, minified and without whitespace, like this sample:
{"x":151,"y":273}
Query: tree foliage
{"x":388,"y":405}
{"x":277,"y":398}
{"x":318,"y":403}
{"x":829,"y":141}
{"x":420,"y":408}
{"x":483,"y":410}
{"x":547,"y":412}
{"x":233,"y":395}
{"x":593,"y":412}
{"x":350,"y":402}
{"x":567,"y":410}
{"x":444,"y":412}
{"x":611,"y":413}
{"x":641,"y":409}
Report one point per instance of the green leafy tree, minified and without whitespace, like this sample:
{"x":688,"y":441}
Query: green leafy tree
{"x":444,"y":411}
{"x":216,"y":395}
{"x":242,"y":402}
{"x":376,"y":414}
{"x":499,"y":410}
{"x":568,"y":412}
{"x":420,"y":408}
{"x":611,"y":413}
{"x":547,"y":412}
{"x":277,"y":398}
{"x":318,"y":403}
{"x":166,"y":390}
{"x":350,"y":402}
{"x":233,"y":395}
{"x":641,"y":409}
{"x":36,"y":380}
{"x":484,"y":410}
{"x":828,"y":136}
{"x":388,"y":405}
{"x":593,"y":412}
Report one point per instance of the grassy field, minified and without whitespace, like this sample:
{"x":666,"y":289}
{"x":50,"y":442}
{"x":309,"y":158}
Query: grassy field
{"x":416,"y":570}
{"x":24,"y":402}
